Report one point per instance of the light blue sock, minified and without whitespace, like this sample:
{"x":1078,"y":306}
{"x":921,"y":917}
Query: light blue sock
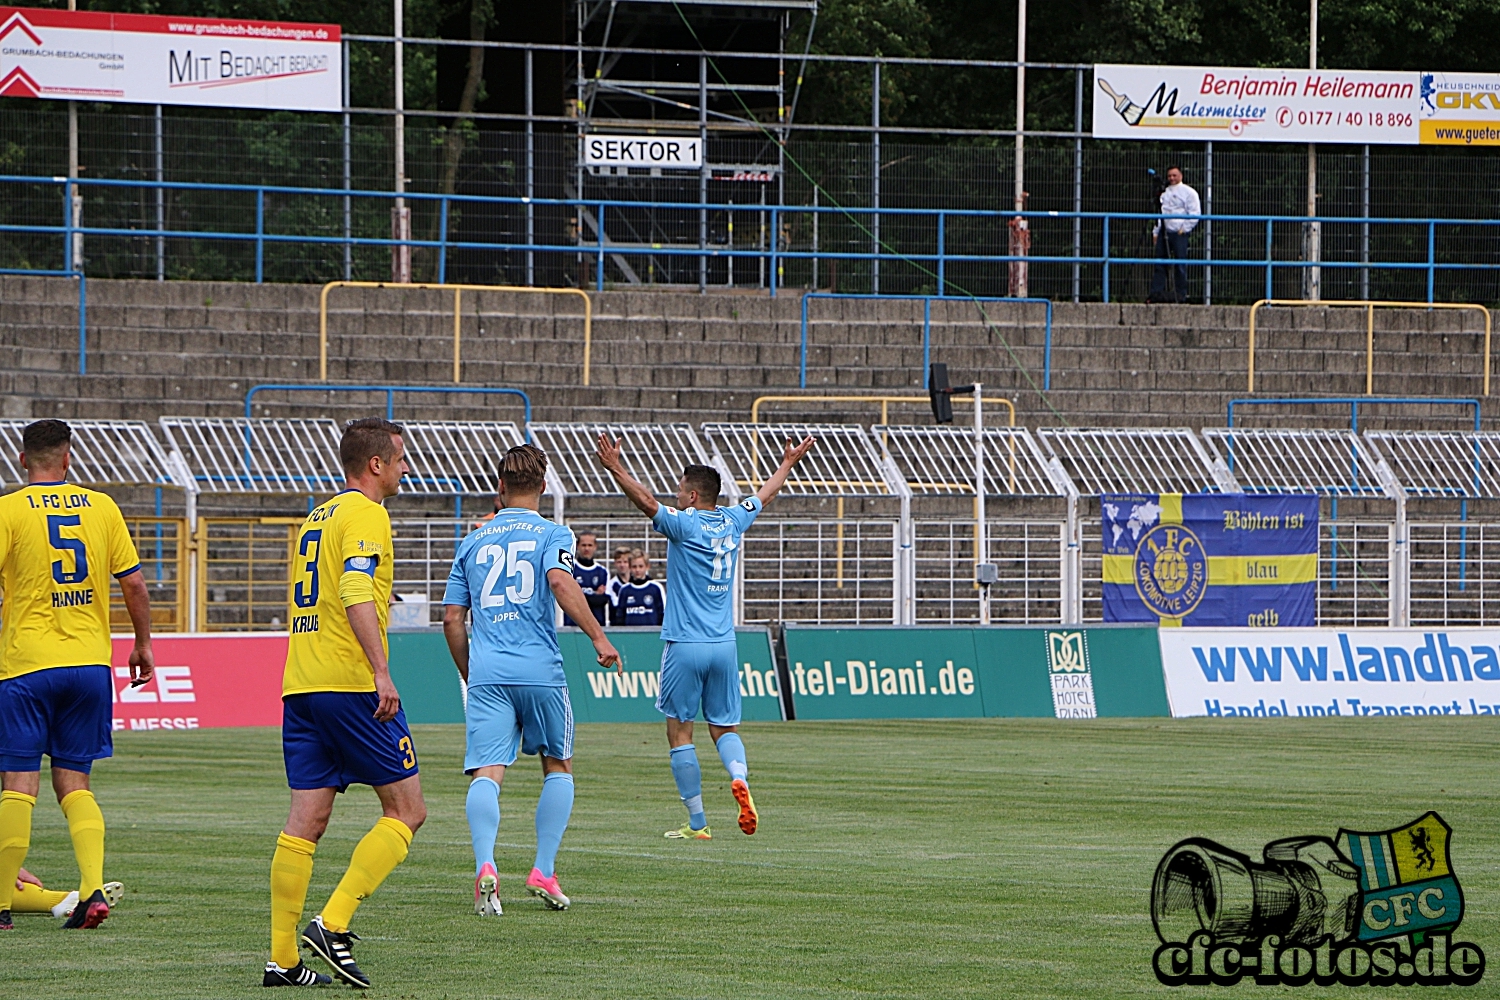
{"x":483,"y":808}
{"x":552,"y":812}
{"x":689,"y":783}
{"x":732,"y":753}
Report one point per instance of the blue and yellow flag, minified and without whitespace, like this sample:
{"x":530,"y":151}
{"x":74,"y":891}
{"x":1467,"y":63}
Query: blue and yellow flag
{"x":1211,"y":559}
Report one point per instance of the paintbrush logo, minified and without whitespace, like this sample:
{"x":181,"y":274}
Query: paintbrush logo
{"x":1131,"y":112}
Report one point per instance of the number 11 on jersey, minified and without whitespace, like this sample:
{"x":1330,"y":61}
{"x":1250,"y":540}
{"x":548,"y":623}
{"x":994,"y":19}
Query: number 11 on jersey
{"x":723,"y":557}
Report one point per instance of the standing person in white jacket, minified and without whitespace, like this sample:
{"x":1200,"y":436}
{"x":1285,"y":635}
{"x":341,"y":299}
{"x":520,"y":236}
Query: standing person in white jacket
{"x":1180,"y":209}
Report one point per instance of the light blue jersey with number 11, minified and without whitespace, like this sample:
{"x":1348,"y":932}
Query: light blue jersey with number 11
{"x":703,"y":547}
{"x":500,"y":575}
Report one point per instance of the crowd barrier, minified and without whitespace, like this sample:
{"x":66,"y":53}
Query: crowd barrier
{"x":887,"y":672}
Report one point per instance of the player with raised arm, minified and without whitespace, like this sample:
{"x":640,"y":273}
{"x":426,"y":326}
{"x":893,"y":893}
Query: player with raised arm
{"x":342,"y":722}
{"x":699,"y":662}
{"x":59,"y":546}
{"x":517,"y":692}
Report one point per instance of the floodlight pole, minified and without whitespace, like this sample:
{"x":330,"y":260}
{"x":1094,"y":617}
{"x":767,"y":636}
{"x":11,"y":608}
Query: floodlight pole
{"x":1020,"y":172}
{"x":75,"y":252}
{"x":400,"y":215}
{"x":1313,"y":280}
{"x":1019,"y":239}
{"x":981,"y":541}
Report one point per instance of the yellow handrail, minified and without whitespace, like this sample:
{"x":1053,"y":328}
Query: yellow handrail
{"x":1369,"y":306}
{"x":458,"y":290}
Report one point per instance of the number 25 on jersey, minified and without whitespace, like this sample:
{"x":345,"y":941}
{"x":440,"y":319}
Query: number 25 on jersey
{"x":520,"y":573}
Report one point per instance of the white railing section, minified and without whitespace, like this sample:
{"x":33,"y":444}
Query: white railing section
{"x":257,"y":455}
{"x":940,"y":461}
{"x":1335,"y":463}
{"x":104,"y":453}
{"x":655,"y":454}
{"x":1146,"y":460}
{"x":1454,"y":576}
{"x":449,"y":457}
{"x":1442,"y":463}
{"x":1031,"y":557}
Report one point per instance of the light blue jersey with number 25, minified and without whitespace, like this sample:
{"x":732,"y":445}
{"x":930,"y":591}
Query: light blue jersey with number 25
{"x":500,"y":575}
{"x":703,"y":547}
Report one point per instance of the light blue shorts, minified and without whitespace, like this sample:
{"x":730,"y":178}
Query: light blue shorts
{"x":706,"y":673}
{"x":504,"y":718}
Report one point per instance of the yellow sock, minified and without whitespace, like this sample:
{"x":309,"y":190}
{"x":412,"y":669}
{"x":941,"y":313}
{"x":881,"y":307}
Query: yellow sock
{"x":376,"y":856}
{"x":34,"y":899}
{"x":291,"y":871}
{"x":86,"y":826}
{"x":15,"y":838}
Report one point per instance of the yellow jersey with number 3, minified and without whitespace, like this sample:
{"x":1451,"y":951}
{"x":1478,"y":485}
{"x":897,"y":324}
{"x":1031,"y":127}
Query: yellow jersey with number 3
{"x":59,"y":546}
{"x":349,"y":533}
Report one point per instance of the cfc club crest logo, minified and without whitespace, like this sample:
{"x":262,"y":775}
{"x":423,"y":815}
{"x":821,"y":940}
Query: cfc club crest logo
{"x":1171,"y":570}
{"x":1369,"y":908}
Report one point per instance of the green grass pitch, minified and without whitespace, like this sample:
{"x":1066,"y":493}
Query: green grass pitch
{"x":994,"y":858}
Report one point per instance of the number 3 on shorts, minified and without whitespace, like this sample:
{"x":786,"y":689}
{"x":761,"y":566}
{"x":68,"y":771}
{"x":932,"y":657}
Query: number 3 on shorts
{"x":410,"y":760}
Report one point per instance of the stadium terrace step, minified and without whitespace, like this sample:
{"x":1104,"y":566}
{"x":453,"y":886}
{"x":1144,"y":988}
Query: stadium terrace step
{"x":195,"y":348}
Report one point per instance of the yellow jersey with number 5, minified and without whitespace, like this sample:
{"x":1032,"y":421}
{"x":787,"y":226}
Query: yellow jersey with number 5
{"x":59,"y":546}
{"x":347,"y":534}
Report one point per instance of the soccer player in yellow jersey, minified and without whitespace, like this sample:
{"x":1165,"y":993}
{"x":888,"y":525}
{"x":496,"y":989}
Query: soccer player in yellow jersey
{"x":59,"y":546}
{"x":342,"y":722}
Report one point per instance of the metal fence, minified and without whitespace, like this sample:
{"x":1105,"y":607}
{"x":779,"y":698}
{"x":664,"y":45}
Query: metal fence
{"x":1390,"y":562}
{"x":1029,"y":555}
{"x":1082,"y":175}
{"x":924,"y":251}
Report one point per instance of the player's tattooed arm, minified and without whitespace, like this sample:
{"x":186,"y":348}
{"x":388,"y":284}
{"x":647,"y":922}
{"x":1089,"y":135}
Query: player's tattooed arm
{"x":138,"y":604}
{"x":457,"y":634}
{"x":609,"y":458}
{"x":570,"y":598}
{"x":365,"y":624}
{"x":789,"y":457}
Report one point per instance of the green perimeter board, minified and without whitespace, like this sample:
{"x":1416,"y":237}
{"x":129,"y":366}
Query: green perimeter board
{"x":601,"y":696}
{"x":830,"y":669}
{"x":1126,"y":663}
{"x":430,"y":690}
{"x":1009,"y":668}
{"x":426,"y":677}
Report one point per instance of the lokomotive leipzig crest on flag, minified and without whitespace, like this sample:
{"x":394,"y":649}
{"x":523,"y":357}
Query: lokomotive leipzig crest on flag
{"x":1212,"y":559}
{"x":1406,"y":882}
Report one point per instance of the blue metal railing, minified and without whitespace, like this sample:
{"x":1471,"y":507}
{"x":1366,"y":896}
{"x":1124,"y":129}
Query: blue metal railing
{"x":927,"y":301}
{"x":1354,"y":403}
{"x":83,"y":307}
{"x":390,"y":394}
{"x":937,"y":261}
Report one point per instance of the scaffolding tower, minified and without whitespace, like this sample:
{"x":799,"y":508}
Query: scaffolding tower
{"x":621,"y":87}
